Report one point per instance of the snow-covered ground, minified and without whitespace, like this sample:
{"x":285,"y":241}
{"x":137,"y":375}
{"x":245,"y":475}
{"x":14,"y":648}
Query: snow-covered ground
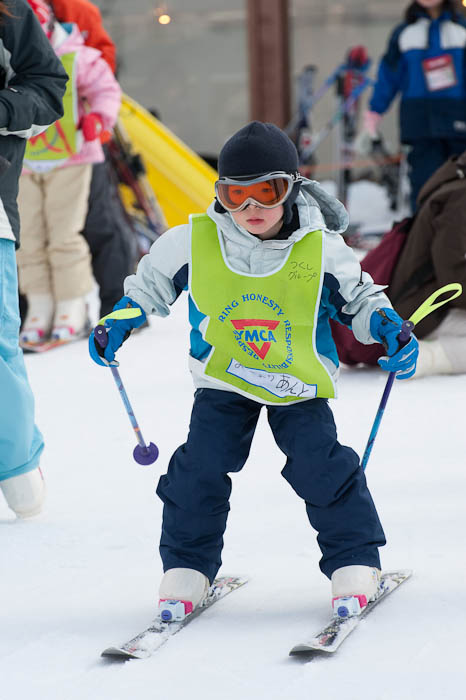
{"x":84,"y":574}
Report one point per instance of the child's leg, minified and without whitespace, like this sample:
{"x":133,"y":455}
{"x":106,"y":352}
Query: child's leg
{"x":66,"y":201}
{"x":328,"y":477}
{"x":33,"y":265}
{"x":196,"y":489}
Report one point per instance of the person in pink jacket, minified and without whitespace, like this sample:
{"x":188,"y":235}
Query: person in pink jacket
{"x":54,"y":261}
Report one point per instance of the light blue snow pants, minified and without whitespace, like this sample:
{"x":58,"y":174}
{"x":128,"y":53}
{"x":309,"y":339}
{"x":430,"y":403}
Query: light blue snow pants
{"x":21,"y":442}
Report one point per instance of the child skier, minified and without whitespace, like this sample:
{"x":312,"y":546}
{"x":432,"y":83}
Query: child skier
{"x":54,"y":261}
{"x":265,"y":269}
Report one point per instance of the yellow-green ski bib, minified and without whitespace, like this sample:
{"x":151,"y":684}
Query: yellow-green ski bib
{"x":261,"y":328}
{"x":61,"y":140}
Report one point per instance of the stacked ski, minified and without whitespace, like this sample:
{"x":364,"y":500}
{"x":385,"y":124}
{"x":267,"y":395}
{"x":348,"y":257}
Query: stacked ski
{"x":329,"y":639}
{"x":147,"y":642}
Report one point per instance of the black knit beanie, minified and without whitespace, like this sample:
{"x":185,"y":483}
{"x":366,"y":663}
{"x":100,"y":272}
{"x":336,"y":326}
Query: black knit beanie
{"x":257,"y":149}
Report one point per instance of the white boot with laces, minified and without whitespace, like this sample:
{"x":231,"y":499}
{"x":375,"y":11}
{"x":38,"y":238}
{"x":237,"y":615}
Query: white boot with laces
{"x":71,"y":319}
{"x":181,"y":591}
{"x":353,"y":587}
{"x":38,"y":322}
{"x":25,"y":494}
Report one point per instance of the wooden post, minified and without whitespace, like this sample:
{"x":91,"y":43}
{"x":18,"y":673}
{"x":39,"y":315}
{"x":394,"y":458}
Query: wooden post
{"x":269,"y":62}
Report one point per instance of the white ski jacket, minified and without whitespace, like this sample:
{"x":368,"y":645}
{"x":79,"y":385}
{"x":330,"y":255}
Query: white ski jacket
{"x":348,"y":295}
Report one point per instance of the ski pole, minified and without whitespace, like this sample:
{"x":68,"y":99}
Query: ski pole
{"x":142,"y":453}
{"x":429,"y":305}
{"x":340,"y":112}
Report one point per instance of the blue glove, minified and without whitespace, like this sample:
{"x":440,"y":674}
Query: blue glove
{"x":385,"y":328}
{"x":119,"y":329}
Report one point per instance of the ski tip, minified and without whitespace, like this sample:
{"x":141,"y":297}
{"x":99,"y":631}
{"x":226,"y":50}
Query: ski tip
{"x":308,"y":651}
{"x":116,"y":654}
{"x":300,"y":649}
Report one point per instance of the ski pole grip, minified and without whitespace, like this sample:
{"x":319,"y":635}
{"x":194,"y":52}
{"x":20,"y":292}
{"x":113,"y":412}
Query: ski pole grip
{"x":100,"y":335}
{"x":404,"y":335}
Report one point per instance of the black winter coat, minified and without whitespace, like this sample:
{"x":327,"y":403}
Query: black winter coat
{"x":32,"y":85}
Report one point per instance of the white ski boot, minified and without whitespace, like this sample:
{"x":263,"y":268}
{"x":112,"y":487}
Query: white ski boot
{"x":25,"y":494}
{"x":181,"y":590}
{"x":352,"y":589}
{"x":38,"y":322}
{"x":71,"y":319}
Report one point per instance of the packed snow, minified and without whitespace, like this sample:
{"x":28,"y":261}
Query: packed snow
{"x":84,"y":574}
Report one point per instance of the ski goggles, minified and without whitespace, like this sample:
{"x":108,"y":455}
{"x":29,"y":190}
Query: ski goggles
{"x":267,"y":191}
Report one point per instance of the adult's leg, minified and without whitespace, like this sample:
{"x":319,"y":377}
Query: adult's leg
{"x":21,"y":443}
{"x":328,"y":477}
{"x":107,"y":232}
{"x":455,"y":147}
{"x":196,"y":489}
{"x":424,"y":158}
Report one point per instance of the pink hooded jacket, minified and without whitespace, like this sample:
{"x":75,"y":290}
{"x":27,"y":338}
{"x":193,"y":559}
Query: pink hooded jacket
{"x":98,"y":89}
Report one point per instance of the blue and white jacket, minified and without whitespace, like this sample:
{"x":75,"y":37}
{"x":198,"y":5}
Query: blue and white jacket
{"x":348,"y":294}
{"x":424,"y":113}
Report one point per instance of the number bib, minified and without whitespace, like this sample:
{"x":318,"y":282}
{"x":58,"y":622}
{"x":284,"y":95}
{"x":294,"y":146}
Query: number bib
{"x":439,"y":73}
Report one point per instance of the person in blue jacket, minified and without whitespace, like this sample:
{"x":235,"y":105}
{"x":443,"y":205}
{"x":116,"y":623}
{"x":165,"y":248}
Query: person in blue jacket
{"x":32,"y":84}
{"x":265,"y":268}
{"x":425,"y":63}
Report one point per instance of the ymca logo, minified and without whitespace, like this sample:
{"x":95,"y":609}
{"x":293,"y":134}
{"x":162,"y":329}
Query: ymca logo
{"x":251,"y":331}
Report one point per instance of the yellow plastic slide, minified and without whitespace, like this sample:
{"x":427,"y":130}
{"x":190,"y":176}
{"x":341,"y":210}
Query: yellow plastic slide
{"x":182,"y":182}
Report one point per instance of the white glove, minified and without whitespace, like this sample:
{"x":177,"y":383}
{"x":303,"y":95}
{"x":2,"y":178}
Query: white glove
{"x":364,"y":140}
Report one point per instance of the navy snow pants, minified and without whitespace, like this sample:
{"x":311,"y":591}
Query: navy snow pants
{"x":425,"y":157}
{"x":326,"y":475}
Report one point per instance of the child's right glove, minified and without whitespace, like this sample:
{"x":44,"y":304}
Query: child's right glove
{"x":385,"y":327}
{"x":91,"y":126}
{"x":126,"y":315}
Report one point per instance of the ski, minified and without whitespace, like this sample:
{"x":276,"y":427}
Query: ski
{"x":53,"y":343}
{"x":47,"y":345}
{"x":329,"y":639}
{"x":147,"y":642}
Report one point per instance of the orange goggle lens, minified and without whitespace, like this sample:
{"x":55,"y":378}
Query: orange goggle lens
{"x":269,"y":193}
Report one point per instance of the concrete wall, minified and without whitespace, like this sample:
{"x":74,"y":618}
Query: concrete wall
{"x":194,"y":70}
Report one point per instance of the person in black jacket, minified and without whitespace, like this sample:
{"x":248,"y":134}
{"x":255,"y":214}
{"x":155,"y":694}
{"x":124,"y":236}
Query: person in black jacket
{"x":32,"y":84}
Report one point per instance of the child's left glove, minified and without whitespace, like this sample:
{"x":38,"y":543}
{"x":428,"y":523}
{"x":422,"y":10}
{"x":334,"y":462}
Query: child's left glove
{"x":91,"y":126}
{"x":119,"y":327}
{"x":385,"y":328}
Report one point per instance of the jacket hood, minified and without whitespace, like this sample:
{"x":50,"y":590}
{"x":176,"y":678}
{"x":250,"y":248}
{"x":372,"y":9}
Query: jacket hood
{"x":453,"y":169}
{"x":316,"y":208}
{"x":66,"y":38}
